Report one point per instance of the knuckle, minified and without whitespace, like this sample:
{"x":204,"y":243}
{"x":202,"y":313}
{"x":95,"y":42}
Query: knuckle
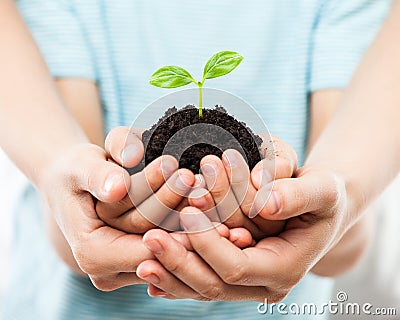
{"x":139,"y":224}
{"x":219,"y":189}
{"x":176,"y":265}
{"x":236,"y":276}
{"x":301,"y":199}
{"x":291,"y":281}
{"x":83,"y":259}
{"x":152,"y":179}
{"x":294,"y":278}
{"x":103,"y":284}
{"x":277,"y":297}
{"x":213,"y":292}
{"x":87,"y":265}
{"x":171,"y":200}
{"x":85,"y":256}
{"x":333,"y":197}
{"x":336,"y":190}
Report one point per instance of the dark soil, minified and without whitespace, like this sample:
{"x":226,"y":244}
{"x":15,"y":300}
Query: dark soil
{"x":188,"y":137}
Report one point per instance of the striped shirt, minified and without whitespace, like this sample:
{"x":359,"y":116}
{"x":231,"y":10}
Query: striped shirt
{"x":291,"y":48}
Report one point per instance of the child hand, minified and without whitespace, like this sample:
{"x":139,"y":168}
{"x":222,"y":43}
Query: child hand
{"x":232,"y":189}
{"x":157,"y":192}
{"x":153,"y":193}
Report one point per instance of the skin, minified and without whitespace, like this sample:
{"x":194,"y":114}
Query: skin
{"x":322,"y":202}
{"x":180,"y":274}
{"x":217,"y":195}
{"x":66,"y":164}
{"x":331,"y":209}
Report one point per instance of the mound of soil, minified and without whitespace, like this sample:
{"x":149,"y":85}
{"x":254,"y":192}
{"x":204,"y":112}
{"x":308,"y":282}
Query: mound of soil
{"x":189,"y":138}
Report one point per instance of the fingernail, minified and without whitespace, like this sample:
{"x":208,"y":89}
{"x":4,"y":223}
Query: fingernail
{"x":161,"y":295}
{"x":183,"y":181}
{"x":152,"y":278}
{"x":130,"y":152}
{"x":154,"y":246}
{"x":209,"y":170}
{"x":111,"y":182}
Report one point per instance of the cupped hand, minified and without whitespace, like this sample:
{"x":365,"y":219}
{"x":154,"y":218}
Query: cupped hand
{"x":231,"y":188}
{"x":155,"y":194}
{"x":314,"y":203}
{"x":69,"y":190}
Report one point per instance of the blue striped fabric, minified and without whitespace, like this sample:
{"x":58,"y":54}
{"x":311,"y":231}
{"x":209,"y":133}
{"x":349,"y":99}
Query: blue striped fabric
{"x":291,"y":48}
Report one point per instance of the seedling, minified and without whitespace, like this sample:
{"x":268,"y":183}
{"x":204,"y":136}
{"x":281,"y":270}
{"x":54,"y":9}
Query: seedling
{"x":218,"y":65}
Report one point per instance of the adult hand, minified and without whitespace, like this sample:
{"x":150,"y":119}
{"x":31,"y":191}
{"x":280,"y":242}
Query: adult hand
{"x":69,"y":189}
{"x":314,"y":202}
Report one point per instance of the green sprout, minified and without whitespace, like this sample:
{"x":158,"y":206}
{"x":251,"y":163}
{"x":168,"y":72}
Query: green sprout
{"x":218,"y":65}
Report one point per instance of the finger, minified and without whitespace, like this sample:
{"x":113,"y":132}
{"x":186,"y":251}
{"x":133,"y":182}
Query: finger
{"x":229,"y":210}
{"x":142,"y":186}
{"x":119,"y":280}
{"x":154,"y":273}
{"x":218,"y":184}
{"x":295,"y":196}
{"x":153,"y":210}
{"x":202,"y":199}
{"x":184,"y":240}
{"x":191,"y":270}
{"x":105,"y":252}
{"x":105,"y":180}
{"x":151,"y":178}
{"x":280,"y":162}
{"x":199,"y":181}
{"x":238,"y":173}
{"x":155,"y":292}
{"x":241,"y":237}
{"x":241,"y":268}
{"x":172,"y":220}
{"x":124,"y":146}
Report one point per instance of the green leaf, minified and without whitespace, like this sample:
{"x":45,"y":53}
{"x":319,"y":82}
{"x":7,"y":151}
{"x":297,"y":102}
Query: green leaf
{"x":171,"y":77}
{"x":221,"y":64}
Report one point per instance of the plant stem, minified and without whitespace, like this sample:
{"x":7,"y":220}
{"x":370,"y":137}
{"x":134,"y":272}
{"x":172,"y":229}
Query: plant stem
{"x":200,"y":99}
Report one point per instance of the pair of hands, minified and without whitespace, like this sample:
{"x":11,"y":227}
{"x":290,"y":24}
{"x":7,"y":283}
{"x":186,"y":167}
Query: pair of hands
{"x":101,"y":239}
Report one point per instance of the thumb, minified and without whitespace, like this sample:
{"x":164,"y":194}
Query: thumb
{"x":105,"y":180}
{"x":287,"y":198}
